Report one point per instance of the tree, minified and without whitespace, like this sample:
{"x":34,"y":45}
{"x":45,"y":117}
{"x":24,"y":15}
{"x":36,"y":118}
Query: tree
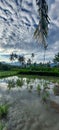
{"x":56,"y":58}
{"x":12,"y":57}
{"x":21,"y":59}
{"x":32,"y":56}
{"x":29,"y":61}
{"x":41,"y":31}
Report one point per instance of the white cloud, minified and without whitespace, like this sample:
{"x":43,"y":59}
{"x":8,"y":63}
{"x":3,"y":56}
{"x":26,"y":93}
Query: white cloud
{"x":17,"y":27}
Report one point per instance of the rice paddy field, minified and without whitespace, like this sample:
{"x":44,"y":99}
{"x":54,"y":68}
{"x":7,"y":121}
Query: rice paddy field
{"x":32,"y":103}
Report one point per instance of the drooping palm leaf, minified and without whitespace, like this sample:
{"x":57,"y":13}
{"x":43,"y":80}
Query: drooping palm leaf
{"x":41,"y":31}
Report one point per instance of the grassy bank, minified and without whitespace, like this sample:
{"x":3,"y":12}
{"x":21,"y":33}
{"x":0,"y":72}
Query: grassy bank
{"x":8,"y":73}
{"x":40,"y":73}
{"x":28,"y":71}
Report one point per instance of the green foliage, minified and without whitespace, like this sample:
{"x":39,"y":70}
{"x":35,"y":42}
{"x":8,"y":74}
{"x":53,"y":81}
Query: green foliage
{"x":42,"y":29}
{"x":27,"y":81}
{"x":30,"y":87}
{"x":39,"y":89}
{"x":45,"y":96}
{"x":11,"y":84}
{"x":1,"y":126}
{"x":3,"y":111}
{"x":19,"y":82}
{"x":56,"y":58}
{"x":56,"y":90}
{"x":45,"y":86}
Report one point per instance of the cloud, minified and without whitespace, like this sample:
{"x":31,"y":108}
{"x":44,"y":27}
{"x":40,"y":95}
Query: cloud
{"x":17,"y":25}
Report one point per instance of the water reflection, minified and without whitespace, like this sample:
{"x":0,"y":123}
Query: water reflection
{"x":41,"y":86}
{"x":28,"y":99}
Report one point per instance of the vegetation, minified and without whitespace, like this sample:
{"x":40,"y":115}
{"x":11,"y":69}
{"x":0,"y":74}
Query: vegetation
{"x":8,"y":73}
{"x":1,"y":126}
{"x":30,"y":87}
{"x":42,"y":29}
{"x":39,"y":89}
{"x":56,"y":90}
{"x":19,"y":82}
{"x":3,"y":111}
{"x":11,"y":84}
{"x":56,"y":58}
{"x":45,"y":96}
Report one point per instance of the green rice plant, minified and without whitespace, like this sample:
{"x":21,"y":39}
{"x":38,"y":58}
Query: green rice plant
{"x":27,"y":81}
{"x":3,"y":111}
{"x":45,"y":86}
{"x":19,"y":82}
{"x":38,"y":89}
{"x":45,"y":96}
{"x":56,"y":90}
{"x":30,"y":88}
{"x":1,"y":126}
{"x":11,"y":84}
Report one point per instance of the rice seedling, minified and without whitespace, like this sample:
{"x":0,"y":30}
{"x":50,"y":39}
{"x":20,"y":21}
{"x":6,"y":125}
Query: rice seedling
{"x":3,"y":111}
{"x":1,"y":126}
{"x":45,"y":96}
{"x":11,"y":84}
{"x":38,"y":89}
{"x":19,"y":82}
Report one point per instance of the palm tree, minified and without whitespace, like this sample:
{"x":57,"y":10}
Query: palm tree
{"x":41,"y":31}
{"x":29,"y":61}
{"x":12,"y":57}
{"x":21,"y":59}
{"x":32,"y":56}
{"x":56,"y":58}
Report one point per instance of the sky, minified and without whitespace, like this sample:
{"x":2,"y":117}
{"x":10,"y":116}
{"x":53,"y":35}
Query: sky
{"x":18,"y":20}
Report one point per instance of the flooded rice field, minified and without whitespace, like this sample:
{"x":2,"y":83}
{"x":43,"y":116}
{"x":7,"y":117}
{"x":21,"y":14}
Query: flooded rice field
{"x":33,"y":103}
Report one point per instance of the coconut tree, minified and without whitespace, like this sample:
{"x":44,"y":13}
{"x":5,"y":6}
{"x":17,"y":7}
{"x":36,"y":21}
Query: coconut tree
{"x":21,"y":59}
{"x":56,"y":58}
{"x":32,"y":56}
{"x":29,"y":61}
{"x":12,"y":57}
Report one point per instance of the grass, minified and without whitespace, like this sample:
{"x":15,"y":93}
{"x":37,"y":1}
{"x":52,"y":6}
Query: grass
{"x":38,"y":71}
{"x":1,"y":126}
{"x":8,"y":73}
{"x":3,"y":111}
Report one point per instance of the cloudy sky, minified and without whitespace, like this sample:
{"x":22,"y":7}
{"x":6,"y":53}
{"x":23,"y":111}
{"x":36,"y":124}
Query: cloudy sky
{"x":18,"y":20}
